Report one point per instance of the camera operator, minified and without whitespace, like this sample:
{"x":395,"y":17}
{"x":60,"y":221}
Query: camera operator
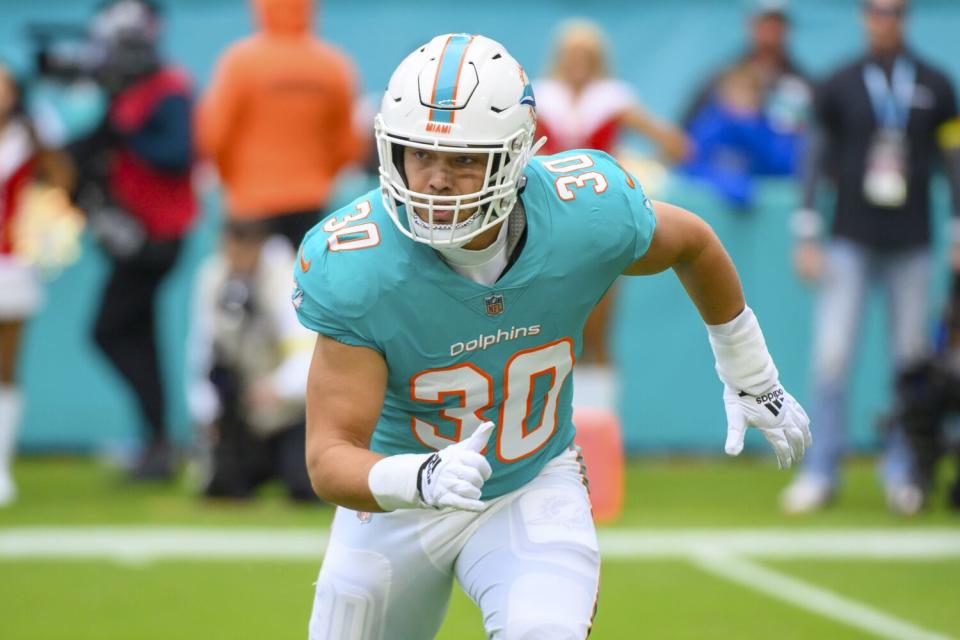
{"x":928,"y":403}
{"x":250,"y":363}
{"x":135,"y":187}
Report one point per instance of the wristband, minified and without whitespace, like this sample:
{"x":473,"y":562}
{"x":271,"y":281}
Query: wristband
{"x":393,"y":481}
{"x":743,"y":361}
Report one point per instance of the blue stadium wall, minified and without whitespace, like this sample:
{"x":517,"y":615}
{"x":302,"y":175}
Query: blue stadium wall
{"x":672,"y":397}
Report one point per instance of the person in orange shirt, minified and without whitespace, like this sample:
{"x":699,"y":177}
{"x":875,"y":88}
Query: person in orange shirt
{"x":276,"y":120}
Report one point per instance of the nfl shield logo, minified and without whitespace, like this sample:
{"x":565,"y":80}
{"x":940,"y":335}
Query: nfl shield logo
{"x":494,"y":304}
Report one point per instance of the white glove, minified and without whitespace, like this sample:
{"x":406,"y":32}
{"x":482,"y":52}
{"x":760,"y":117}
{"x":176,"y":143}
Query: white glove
{"x":752,"y":393}
{"x":776,"y":414}
{"x":451,"y":477}
{"x":454,"y":476}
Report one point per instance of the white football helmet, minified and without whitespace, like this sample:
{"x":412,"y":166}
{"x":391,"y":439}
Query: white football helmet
{"x":458,"y":93}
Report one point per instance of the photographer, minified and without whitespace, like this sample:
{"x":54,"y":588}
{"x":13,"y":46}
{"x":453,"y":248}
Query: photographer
{"x":250,"y":362}
{"x":928,"y":403}
{"x":135,"y":187}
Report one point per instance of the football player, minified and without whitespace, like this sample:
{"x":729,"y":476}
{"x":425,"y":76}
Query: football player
{"x":450,"y":305}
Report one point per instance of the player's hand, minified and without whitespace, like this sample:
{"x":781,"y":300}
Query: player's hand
{"x":454,"y":476}
{"x":776,"y":414}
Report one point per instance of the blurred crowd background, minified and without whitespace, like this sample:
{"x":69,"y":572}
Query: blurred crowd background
{"x":177,"y":116}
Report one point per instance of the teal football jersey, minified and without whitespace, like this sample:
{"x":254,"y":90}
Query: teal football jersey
{"x":459,"y":352}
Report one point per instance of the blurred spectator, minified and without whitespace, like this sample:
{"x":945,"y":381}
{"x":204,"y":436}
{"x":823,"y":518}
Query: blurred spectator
{"x":747,"y":118}
{"x":784,"y":87}
{"x":276,"y":120}
{"x":878,"y":121}
{"x":250,"y":361}
{"x":135,"y":186}
{"x":22,"y":159}
{"x":734,"y":140}
{"x":580,"y":106}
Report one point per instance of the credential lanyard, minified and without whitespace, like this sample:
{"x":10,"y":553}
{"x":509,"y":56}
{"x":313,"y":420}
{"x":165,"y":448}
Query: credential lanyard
{"x":891,"y":104}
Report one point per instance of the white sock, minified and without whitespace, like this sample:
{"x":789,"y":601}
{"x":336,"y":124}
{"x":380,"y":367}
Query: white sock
{"x":11,"y":406}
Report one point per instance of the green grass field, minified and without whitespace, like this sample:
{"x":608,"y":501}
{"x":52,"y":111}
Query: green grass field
{"x":85,"y":556}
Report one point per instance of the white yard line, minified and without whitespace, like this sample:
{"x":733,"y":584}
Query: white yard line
{"x":865,"y":543}
{"x":157,"y":542}
{"x":812,"y":598}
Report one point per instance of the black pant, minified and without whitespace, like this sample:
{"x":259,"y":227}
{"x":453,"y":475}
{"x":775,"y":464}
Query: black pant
{"x":294,"y":225}
{"x":241,"y":460}
{"x":125,"y":328}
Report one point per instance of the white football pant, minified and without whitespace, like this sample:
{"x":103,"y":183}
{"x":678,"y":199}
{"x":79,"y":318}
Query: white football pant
{"x":530,"y":561}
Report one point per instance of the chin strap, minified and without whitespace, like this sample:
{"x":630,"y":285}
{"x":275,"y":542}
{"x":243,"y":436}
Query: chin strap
{"x":536,"y":147}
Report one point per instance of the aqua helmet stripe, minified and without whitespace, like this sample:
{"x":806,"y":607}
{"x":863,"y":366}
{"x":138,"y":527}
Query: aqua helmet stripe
{"x":448,"y":77}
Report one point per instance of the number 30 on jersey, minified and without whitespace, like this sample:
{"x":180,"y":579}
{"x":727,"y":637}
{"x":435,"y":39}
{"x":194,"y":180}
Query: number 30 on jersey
{"x":546,"y":366}
{"x":347,"y":235}
{"x":567,"y":165}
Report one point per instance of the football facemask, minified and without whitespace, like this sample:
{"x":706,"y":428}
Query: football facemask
{"x":457,"y":94}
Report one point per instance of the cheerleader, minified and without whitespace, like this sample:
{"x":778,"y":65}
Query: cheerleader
{"x":20,"y":292}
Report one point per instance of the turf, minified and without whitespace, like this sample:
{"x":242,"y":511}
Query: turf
{"x":681,"y":492}
{"x":926,"y":591}
{"x":650,"y":598}
{"x":656,"y":599}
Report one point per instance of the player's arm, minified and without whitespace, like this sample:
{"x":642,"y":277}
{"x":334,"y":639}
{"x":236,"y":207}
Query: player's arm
{"x":752,"y":391}
{"x":345,"y":392}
